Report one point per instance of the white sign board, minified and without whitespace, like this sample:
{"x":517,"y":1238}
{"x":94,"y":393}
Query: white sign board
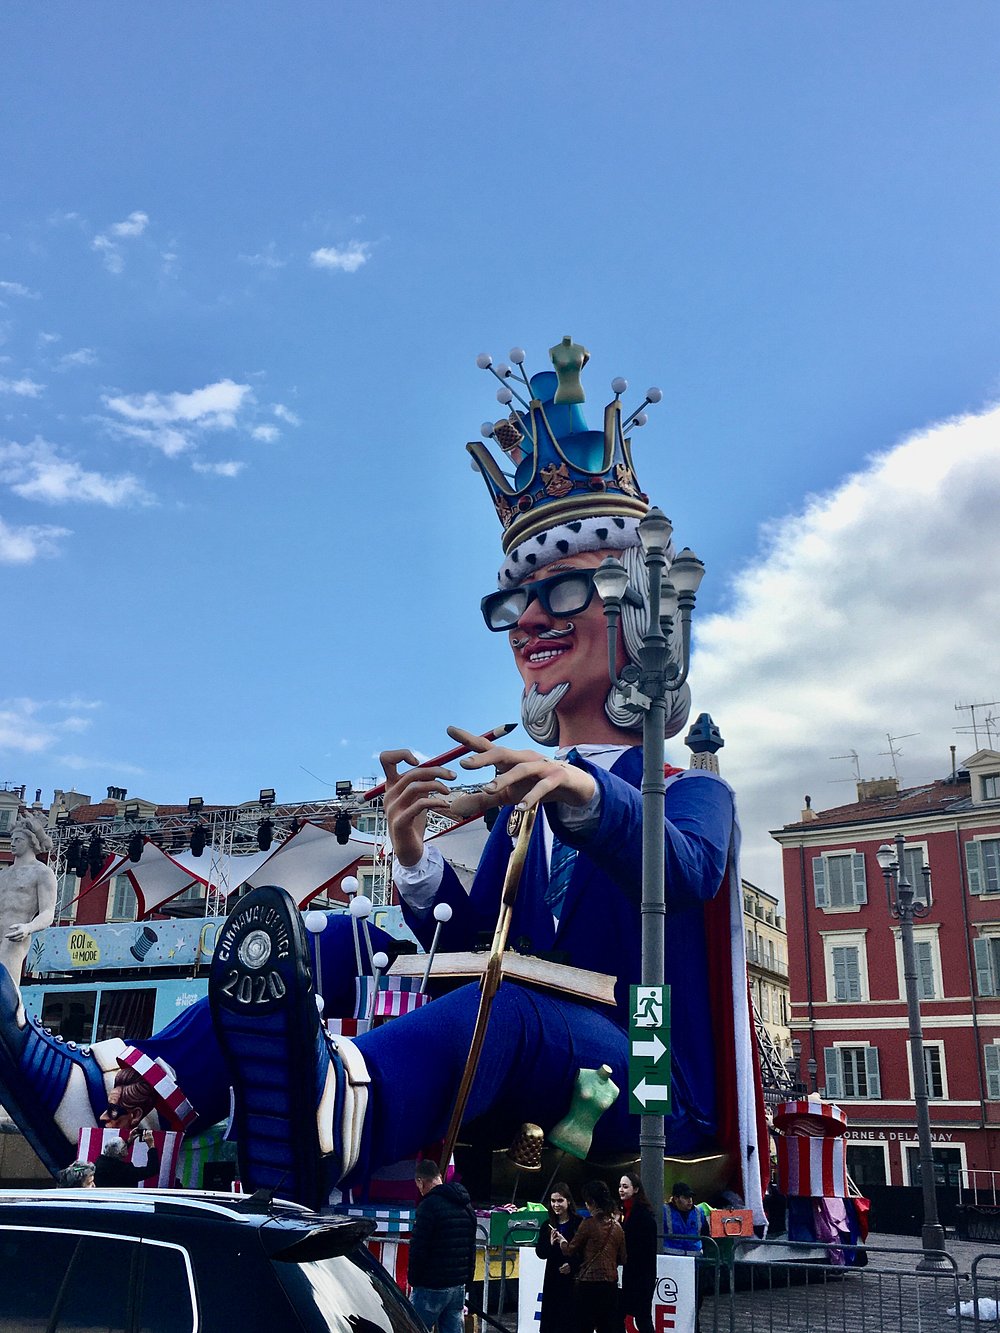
{"x":673,"y":1300}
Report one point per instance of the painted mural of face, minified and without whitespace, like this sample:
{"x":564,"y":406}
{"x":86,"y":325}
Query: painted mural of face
{"x":551,"y":650}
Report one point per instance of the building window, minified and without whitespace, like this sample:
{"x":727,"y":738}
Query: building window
{"x":765,"y":1003}
{"x":866,"y":1164}
{"x":982,"y":860}
{"x":990,"y":786}
{"x":122,"y":902}
{"x":846,"y":972}
{"x":987,"y":952}
{"x":852,"y":1071}
{"x":839,"y":880}
{"x":68,"y":887}
{"x":5,"y":820}
{"x":947,"y":1166}
{"x":913,"y":869}
{"x":846,"y":966}
{"x":933,"y":1070}
{"x":992,"y":1054}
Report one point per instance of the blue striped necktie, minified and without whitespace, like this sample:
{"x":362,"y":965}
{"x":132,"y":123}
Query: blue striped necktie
{"x":560,"y":869}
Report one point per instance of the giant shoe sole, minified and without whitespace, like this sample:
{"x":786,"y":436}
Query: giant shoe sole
{"x":264,"y":1011}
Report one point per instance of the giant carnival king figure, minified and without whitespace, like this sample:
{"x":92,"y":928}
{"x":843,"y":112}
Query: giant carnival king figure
{"x":314,"y":1113}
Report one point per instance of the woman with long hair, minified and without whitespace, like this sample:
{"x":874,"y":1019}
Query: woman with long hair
{"x":600,"y":1244}
{"x":639,"y":1274}
{"x":558,"y":1313}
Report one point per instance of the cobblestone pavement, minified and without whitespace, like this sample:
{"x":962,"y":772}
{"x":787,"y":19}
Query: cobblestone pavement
{"x":887,"y":1296}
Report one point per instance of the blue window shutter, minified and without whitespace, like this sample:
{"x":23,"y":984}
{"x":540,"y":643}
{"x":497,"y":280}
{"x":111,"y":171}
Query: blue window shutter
{"x":992,"y":1054}
{"x":831,"y":1064}
{"x":858,"y":872}
{"x":925,"y":970}
{"x":974,"y":865}
{"x":871,"y":1072}
{"x":984,"y":969}
{"x":819,"y":882}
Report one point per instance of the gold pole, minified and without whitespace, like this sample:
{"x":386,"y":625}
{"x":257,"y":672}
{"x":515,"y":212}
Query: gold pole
{"x":519,"y":825}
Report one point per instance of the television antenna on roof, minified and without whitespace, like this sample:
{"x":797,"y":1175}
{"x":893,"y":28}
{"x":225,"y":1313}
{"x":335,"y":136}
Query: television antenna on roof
{"x":893,"y":753}
{"x":853,"y":756}
{"x":988,"y":724}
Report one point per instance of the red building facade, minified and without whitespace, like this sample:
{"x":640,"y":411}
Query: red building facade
{"x":846,"y":973}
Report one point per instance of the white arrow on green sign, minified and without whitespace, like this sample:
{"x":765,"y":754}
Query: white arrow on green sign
{"x":649,"y":1050}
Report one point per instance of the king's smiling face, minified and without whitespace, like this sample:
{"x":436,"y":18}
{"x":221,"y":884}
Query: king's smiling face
{"x":551,"y":650}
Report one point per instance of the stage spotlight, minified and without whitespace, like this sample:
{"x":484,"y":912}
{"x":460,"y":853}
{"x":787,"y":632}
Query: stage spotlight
{"x":265,"y":834}
{"x":76,"y":858}
{"x":135,"y":846}
{"x":294,"y":827}
{"x":342,"y":828}
{"x":198,"y":840}
{"x":344,"y":788}
{"x":95,"y":855}
{"x":266,"y":797}
{"x":195,"y":804}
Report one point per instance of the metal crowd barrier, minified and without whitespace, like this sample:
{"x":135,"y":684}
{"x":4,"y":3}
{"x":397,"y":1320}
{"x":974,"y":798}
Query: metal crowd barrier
{"x":792,"y":1287}
{"x":985,"y":1294}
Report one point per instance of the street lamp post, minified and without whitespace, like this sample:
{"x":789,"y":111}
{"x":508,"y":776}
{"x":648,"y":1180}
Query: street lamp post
{"x":660,"y":673}
{"x":903,"y":906}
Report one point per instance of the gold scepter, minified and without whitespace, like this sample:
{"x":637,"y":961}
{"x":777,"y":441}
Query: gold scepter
{"x":519,"y":826}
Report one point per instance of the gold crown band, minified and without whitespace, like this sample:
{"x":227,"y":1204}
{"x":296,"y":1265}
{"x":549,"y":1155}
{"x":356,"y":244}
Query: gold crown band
{"x":555,"y":513}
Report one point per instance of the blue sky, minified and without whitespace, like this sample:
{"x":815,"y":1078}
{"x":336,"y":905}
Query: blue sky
{"x":248,"y":255}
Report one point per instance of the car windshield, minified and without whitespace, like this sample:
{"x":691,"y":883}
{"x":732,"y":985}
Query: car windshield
{"x":348,"y":1292}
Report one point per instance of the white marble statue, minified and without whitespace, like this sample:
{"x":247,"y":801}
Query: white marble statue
{"x":27,"y":897}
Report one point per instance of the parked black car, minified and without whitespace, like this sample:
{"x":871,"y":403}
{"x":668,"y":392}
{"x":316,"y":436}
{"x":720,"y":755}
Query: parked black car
{"x":177,"y":1261}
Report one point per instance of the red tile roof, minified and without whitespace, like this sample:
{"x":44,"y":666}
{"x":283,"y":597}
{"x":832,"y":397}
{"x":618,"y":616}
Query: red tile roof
{"x":933,"y":797}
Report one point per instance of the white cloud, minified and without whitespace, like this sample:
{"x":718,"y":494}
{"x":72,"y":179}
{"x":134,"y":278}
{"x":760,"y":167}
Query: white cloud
{"x":266,"y":434}
{"x":49,"y":337}
{"x":285,"y":414}
{"x":171,"y":421}
{"x":82,"y":763}
{"x":18,"y":289}
{"x":83,"y":356}
{"x":872,"y":611}
{"x":345,"y":258}
{"x":24,"y":387}
{"x":266,"y":258}
{"x":22,"y":545}
{"x":231,"y":468}
{"x":134,"y":225}
{"x":107,"y":244}
{"x":37,"y":471}
{"x":213,"y":407}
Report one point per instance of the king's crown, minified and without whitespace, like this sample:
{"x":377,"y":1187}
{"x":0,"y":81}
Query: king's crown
{"x":564,"y":474}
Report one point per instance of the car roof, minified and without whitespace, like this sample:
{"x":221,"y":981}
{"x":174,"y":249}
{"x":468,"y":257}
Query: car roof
{"x":278,"y":1221}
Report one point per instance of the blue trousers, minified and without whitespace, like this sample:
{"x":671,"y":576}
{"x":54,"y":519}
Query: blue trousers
{"x":442,"y":1307}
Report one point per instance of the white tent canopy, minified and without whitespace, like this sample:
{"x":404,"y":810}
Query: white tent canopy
{"x":304,"y":864}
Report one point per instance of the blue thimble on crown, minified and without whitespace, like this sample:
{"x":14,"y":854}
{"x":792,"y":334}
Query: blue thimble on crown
{"x":570,"y":489}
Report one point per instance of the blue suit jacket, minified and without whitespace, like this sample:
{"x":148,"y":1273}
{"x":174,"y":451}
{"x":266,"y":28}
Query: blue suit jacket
{"x":599,"y":927}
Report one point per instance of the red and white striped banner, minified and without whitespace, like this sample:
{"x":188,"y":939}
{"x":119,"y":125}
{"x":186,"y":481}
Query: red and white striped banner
{"x":167,"y":1143}
{"x":394,"y":1256}
{"x":812,"y":1167}
{"x":170,"y":1100}
{"x":810,"y":1117}
{"x":347,"y":1027}
{"x":398,"y":995}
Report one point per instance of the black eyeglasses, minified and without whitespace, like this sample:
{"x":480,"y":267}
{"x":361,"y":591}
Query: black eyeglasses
{"x":561,"y":595}
{"x":114,"y":1112}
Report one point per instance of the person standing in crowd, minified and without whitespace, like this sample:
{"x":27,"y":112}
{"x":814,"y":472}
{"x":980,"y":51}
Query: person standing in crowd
{"x":78,"y":1175}
{"x":639,"y":1274}
{"x":600,"y":1244}
{"x":442,"y":1249}
{"x":683,"y":1222}
{"x":558,"y":1314}
{"x":113,"y":1170}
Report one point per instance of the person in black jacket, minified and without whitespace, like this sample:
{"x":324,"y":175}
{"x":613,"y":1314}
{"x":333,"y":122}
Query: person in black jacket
{"x":558,"y":1313}
{"x":113,"y":1170}
{"x":639,"y":1273}
{"x":442,"y":1249}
